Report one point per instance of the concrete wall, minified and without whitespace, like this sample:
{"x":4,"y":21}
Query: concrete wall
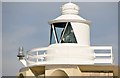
{"x":61,"y":70}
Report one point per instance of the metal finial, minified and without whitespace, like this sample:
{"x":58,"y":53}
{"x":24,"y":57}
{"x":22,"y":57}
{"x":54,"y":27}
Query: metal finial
{"x":20,"y":49}
{"x":20,"y":53}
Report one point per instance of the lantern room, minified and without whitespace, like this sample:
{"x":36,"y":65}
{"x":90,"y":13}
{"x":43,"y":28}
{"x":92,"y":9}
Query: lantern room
{"x":70,"y":27}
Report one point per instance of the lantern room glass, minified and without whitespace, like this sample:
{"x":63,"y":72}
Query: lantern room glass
{"x":62,"y":33}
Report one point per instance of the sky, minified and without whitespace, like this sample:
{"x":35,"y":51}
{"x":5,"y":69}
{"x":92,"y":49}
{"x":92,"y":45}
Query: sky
{"x":26,"y":24}
{"x":0,"y":39}
{"x":60,"y":0}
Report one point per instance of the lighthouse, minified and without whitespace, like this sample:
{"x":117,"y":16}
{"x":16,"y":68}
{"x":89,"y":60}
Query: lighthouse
{"x":69,"y":53}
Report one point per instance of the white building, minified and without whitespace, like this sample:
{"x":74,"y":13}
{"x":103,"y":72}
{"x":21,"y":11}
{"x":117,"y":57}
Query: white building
{"x":69,"y":53}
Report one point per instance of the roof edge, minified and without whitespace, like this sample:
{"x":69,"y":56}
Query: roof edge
{"x":70,"y":20}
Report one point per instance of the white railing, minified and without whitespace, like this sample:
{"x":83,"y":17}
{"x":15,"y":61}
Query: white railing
{"x":37,"y":55}
{"x":103,"y":54}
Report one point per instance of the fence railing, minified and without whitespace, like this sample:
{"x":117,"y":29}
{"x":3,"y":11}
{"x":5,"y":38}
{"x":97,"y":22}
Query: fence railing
{"x":37,"y":55}
{"x":103,"y":54}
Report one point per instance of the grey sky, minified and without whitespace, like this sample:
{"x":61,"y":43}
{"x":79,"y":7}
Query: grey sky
{"x":0,"y":38}
{"x":26,"y":24}
{"x":60,"y":0}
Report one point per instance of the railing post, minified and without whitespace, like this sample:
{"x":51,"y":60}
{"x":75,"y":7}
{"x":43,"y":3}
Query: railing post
{"x":37,"y":56}
{"x":111,"y":56}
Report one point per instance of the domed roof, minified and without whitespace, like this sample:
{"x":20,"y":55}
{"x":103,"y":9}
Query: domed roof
{"x":70,"y":13}
{"x":70,"y":8}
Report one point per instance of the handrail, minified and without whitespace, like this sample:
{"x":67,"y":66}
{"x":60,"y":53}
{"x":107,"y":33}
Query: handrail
{"x":37,"y":55}
{"x":102,"y":56}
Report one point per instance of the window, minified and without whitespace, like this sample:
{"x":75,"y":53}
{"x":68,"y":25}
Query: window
{"x":59,"y":28}
{"x":68,"y":35}
{"x":52,"y":37}
{"x":62,"y":33}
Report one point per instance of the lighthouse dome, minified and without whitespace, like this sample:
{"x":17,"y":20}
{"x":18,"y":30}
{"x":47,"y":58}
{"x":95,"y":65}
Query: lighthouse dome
{"x":70,"y":8}
{"x":70,"y":13}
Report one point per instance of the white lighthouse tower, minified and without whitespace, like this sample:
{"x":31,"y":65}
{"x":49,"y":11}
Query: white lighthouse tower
{"x":69,"y":53}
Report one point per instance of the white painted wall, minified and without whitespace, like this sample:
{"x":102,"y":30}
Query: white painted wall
{"x":82,"y":33}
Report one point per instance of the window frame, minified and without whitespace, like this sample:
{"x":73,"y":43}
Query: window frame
{"x":54,"y":33}
{"x":63,"y":32}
